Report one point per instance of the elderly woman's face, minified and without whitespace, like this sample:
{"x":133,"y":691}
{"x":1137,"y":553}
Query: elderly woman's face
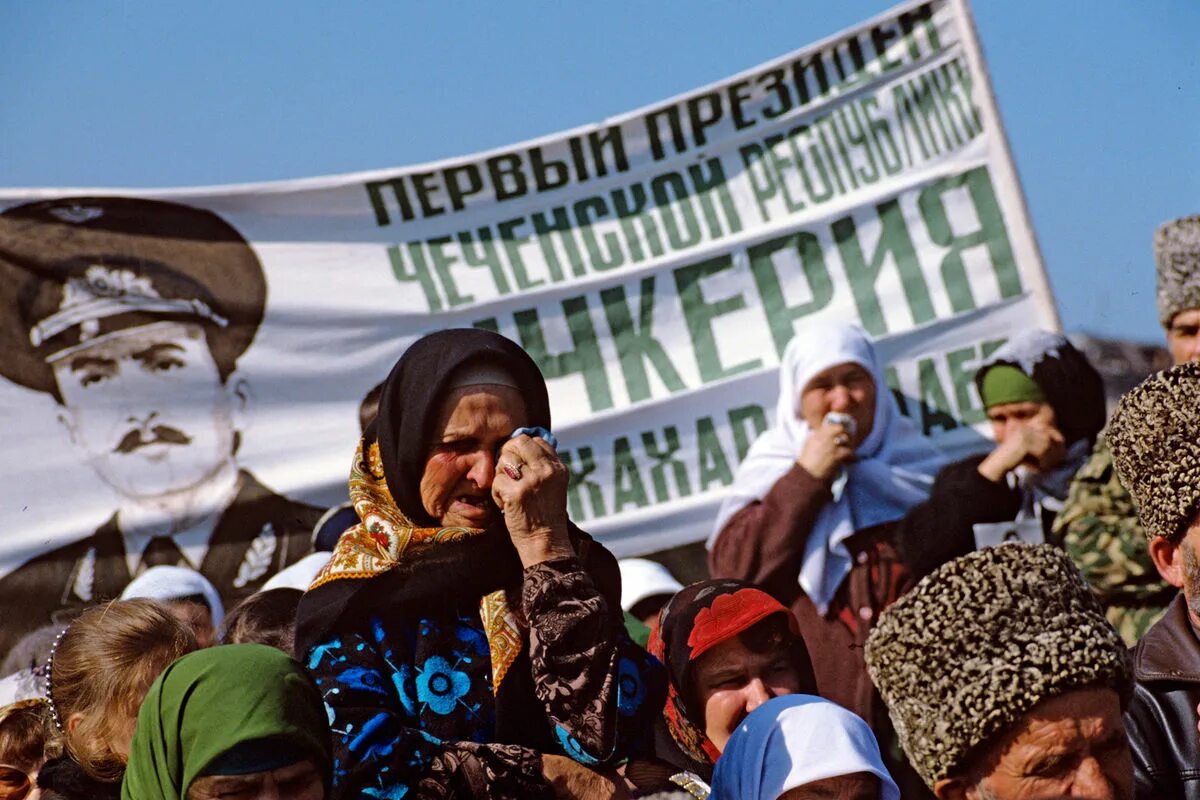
{"x":457,"y":483}
{"x":844,"y":388}
{"x":1072,"y":745}
{"x":300,"y":781}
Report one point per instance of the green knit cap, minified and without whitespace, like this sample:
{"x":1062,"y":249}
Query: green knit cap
{"x":1154,"y":436}
{"x":1004,"y":383}
{"x":980,"y":642}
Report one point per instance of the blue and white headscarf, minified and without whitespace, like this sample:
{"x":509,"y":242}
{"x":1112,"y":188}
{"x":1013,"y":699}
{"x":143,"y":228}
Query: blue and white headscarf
{"x":795,"y":740}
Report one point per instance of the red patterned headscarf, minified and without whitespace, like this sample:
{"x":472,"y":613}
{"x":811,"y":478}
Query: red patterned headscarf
{"x":698,"y":618}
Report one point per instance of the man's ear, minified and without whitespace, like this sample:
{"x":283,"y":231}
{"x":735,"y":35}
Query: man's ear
{"x":950,"y":789}
{"x":1168,"y":559}
{"x":241,"y":400}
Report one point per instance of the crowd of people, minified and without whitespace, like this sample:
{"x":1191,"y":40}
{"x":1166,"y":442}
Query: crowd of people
{"x":880,"y":622}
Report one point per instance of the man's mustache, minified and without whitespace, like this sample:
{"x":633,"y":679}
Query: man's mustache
{"x":162,"y":433}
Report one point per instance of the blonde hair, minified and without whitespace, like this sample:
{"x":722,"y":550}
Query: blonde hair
{"x":101,"y":669}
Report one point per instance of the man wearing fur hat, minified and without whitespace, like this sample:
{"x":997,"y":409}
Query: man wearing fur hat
{"x":1004,"y":681}
{"x":1155,"y":440}
{"x":1098,"y":525}
{"x":131,"y":315}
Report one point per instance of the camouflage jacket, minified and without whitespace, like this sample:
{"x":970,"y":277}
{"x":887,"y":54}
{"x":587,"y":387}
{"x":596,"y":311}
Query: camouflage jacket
{"x":1099,"y":528}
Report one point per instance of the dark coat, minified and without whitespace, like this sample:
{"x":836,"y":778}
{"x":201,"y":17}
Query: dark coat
{"x":55,"y":586}
{"x":406,"y":674}
{"x":1161,"y":719}
{"x":63,"y":779}
{"x":942,"y":527}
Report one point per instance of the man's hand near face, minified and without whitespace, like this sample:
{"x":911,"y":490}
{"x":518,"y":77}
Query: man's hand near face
{"x":1033,"y":444}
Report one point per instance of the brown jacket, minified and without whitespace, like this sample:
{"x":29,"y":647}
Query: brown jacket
{"x":764,"y":543}
{"x":1161,"y":718}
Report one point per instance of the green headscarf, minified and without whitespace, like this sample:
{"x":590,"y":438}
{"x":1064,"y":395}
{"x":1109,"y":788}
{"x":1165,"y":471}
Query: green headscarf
{"x":208,"y":703}
{"x":1005,"y":383}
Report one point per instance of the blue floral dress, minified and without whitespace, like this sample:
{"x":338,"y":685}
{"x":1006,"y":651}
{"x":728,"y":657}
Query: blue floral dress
{"x":413,"y":713}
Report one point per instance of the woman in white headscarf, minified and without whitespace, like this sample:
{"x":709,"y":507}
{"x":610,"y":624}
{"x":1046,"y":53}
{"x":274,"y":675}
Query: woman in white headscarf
{"x":188,"y":595}
{"x":800,"y":746}
{"x":812,"y":511}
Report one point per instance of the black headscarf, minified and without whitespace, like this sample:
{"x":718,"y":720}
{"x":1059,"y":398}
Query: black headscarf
{"x":453,"y":576}
{"x":1073,"y":387}
{"x":415,"y":390}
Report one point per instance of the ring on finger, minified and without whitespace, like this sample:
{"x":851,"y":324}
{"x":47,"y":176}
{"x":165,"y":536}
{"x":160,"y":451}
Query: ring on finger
{"x":511,"y":470}
{"x":842,"y":439}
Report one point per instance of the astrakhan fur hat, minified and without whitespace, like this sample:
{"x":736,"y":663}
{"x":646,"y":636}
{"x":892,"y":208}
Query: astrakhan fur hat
{"x":980,"y":642}
{"x":1154,"y":435}
{"x":1177,"y":256}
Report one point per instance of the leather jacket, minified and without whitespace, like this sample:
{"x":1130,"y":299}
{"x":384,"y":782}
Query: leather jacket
{"x":1161,"y":719}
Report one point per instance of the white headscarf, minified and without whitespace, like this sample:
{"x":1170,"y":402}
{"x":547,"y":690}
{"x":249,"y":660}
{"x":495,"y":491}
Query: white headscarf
{"x":167,"y":583}
{"x":24,"y":684}
{"x":299,"y":575}
{"x":893,"y":471}
{"x":642,"y":578}
{"x":793,"y":741}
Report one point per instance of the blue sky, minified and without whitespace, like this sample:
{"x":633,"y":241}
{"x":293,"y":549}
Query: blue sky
{"x":1101,"y":100}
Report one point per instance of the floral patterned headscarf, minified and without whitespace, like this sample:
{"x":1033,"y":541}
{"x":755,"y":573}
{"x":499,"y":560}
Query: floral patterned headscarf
{"x":698,"y":618}
{"x":385,"y":537}
{"x":394,"y":527}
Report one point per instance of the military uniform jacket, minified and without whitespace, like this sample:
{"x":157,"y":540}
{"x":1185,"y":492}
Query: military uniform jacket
{"x":1099,"y":527}
{"x":257,"y":535}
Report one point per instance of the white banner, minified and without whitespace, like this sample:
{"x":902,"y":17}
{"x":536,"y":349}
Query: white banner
{"x":183,"y":369}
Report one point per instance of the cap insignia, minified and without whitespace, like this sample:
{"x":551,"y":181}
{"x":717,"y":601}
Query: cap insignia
{"x":103,"y":292}
{"x":77,"y":214}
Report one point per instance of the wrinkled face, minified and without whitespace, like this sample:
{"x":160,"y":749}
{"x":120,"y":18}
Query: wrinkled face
{"x":1191,"y":569}
{"x":300,"y":781}
{"x":732,"y":680}
{"x":844,"y":388}
{"x":148,"y":408}
{"x":1072,"y":745}
{"x":1178,"y":562}
{"x":457,"y":483}
{"x":1183,"y":336}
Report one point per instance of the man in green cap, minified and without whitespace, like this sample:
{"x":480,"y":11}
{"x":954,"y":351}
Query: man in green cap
{"x":1046,"y":406}
{"x":1099,"y":525}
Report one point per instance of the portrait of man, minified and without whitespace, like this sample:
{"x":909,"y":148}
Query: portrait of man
{"x":131,"y":314}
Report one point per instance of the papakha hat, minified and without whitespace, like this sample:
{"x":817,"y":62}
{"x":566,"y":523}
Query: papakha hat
{"x":980,"y":642}
{"x":76,"y":269}
{"x":1154,"y":436}
{"x":1177,"y":256}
